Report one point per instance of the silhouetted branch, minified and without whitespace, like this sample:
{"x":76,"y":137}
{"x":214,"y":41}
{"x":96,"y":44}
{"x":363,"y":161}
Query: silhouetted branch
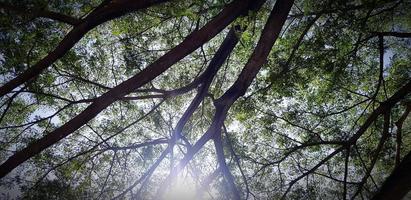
{"x":398,"y":184}
{"x":41,"y":13}
{"x":399,"y":124}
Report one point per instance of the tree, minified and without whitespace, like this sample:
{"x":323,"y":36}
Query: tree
{"x":197,"y":99}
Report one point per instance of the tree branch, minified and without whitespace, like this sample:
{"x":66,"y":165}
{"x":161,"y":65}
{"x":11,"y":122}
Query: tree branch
{"x":384,"y":137}
{"x":398,"y":184}
{"x":41,"y":13}
{"x":393,"y":34}
{"x":269,"y":35}
{"x":98,"y":16}
{"x":399,"y":124}
{"x":223,"y":165}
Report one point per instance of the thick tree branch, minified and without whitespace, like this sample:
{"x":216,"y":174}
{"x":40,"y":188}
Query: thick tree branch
{"x":399,"y":124}
{"x":286,"y":67}
{"x":347,"y":157}
{"x":100,"y":15}
{"x":269,"y":35}
{"x":398,"y":184}
{"x":393,"y":34}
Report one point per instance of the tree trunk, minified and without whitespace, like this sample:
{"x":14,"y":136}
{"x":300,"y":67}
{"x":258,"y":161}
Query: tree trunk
{"x":398,"y":184}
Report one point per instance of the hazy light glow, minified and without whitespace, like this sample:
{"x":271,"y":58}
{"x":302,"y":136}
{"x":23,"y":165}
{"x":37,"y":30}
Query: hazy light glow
{"x":182,"y":188}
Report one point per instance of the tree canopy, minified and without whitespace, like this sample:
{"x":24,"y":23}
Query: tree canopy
{"x":205,"y":99}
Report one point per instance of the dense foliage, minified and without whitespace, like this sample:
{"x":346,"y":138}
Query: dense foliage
{"x":189,"y":99}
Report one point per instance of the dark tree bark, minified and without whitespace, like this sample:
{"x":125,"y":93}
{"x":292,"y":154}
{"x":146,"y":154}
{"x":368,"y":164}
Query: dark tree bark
{"x":398,"y":184}
{"x":398,"y":138}
{"x":269,"y":35}
{"x":394,"y":34}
